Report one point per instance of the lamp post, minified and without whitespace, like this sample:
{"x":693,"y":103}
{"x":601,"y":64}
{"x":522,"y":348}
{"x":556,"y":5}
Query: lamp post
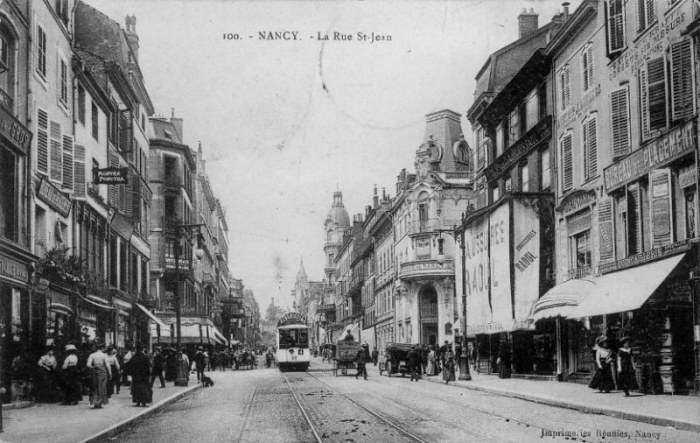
{"x":182,"y":369}
{"x":458,"y":235}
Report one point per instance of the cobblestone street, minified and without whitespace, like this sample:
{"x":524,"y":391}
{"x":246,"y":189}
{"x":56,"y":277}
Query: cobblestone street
{"x":260,"y":405}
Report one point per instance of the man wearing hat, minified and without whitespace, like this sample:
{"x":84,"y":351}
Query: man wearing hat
{"x":361,"y":360}
{"x":199,"y":362}
{"x":101,"y":372}
{"x":158,"y":367}
{"x":71,"y":376}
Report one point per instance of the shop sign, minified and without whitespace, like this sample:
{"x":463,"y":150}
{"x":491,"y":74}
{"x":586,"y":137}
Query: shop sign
{"x":576,"y":201}
{"x":687,"y":177}
{"x":53,"y":197}
{"x":540,"y":132}
{"x":526,"y":259}
{"x":653,"y":42}
{"x":13,"y":270}
{"x":673,"y":145}
{"x":110,"y":176}
{"x":291,"y":318}
{"x":576,"y":111}
{"x":676,"y":292}
{"x":14,"y":131}
{"x":645,"y":257}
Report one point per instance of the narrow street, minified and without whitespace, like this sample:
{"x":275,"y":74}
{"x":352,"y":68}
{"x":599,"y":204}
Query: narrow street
{"x":266,"y":405}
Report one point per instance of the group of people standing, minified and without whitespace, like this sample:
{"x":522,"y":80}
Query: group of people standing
{"x":615,"y":367}
{"x":430,"y":361}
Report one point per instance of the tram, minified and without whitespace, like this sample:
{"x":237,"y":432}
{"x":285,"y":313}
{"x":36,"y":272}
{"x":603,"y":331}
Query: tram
{"x":292,"y":340}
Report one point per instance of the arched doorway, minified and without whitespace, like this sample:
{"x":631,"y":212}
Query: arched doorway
{"x":428,"y":309}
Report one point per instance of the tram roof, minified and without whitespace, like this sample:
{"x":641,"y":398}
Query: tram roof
{"x":293,"y":327}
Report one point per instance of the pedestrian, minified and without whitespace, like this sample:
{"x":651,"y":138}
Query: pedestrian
{"x":448,"y":367}
{"x":472,"y":355}
{"x":424,"y":351}
{"x":158,"y":367}
{"x":115,"y":378}
{"x":101,"y":372}
{"x":625,"y":366}
{"x":603,"y":377}
{"x":140,"y":378}
{"x":185,"y":362}
{"x":199,"y":362}
{"x":361,"y":360}
{"x":122,"y":367}
{"x":71,"y":377}
{"x":125,"y":374}
{"x":430,"y":368}
{"x":268,"y":358}
{"x":413,"y":362}
{"x":47,"y":376}
{"x":503,"y":360}
{"x":375,"y":356}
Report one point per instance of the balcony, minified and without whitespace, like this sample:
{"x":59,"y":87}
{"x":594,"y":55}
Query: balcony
{"x":428,"y":310}
{"x":172,"y":183}
{"x":420,"y":226}
{"x":580,"y":272}
{"x":326,"y":308}
{"x":426,"y":268}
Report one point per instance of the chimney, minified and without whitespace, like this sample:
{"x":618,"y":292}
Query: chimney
{"x":566,"y":10}
{"x":527,"y":23}
{"x":375,"y":198}
{"x":177,"y":122}
{"x":383,"y":193}
{"x":131,"y":36}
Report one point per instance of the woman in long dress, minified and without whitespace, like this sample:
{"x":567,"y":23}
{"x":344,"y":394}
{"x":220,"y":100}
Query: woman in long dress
{"x":140,"y":378}
{"x":71,"y":377}
{"x":430,"y":368}
{"x":625,"y":364}
{"x":603,"y":379}
{"x":448,"y":370}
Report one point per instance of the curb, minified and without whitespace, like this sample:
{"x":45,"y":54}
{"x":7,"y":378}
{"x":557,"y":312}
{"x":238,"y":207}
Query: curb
{"x":631,"y":416}
{"x":17,"y":405}
{"x":122,"y":425}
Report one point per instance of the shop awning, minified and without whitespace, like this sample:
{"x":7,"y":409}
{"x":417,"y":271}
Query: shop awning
{"x":100,"y":304}
{"x":156,"y":320}
{"x":60,"y":307}
{"x":561,"y":300}
{"x":219,"y":337}
{"x":626,"y":290}
{"x":188,"y":333}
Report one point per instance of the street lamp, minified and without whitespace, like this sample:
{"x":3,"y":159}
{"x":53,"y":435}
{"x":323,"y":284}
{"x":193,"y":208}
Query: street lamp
{"x":182,"y":369}
{"x":458,"y":235}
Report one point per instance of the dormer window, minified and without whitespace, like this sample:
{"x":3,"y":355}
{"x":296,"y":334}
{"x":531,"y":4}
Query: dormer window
{"x":168,"y":135}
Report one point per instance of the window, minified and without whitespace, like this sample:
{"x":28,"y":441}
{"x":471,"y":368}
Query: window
{"x":522,"y":119}
{"x":423,"y":207}
{"x":81,"y":104}
{"x":616,"y":26}
{"x":546,"y":168}
{"x":8,"y":196}
{"x":681,"y":80}
{"x":495,"y":194}
{"x":587,"y":67}
{"x":567,"y":174}
{"x":621,"y":225}
{"x":508,"y":185}
{"x":589,"y":132}
{"x":63,"y":82}
{"x":691,"y":229}
{"x":7,"y":66}
{"x":619,"y":103}
{"x":41,"y":51}
{"x":95,"y":122}
{"x":532,"y":111}
{"x":499,"y":140}
{"x":55,"y":152}
{"x":524,"y":177}
{"x":564,"y":88}
{"x":645,"y":14}
{"x":542,"y":101}
{"x":582,"y":251}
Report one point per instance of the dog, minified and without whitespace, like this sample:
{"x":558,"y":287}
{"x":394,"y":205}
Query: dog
{"x":207,"y":382}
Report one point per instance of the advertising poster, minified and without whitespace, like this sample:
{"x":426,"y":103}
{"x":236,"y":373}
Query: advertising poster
{"x":526,"y":260}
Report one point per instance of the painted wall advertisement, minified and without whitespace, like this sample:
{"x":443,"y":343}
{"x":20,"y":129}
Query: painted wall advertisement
{"x":489,"y":306}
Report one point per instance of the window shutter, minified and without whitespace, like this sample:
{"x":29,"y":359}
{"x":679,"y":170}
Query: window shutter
{"x":67,"y":163}
{"x":644,"y":103}
{"x":605,"y":227}
{"x":592,"y":131}
{"x":681,"y":80}
{"x":113,"y":190}
{"x":660,"y":206}
{"x":79,"y":179}
{"x":656,"y":78}
{"x":42,"y":141}
{"x":129,"y":193}
{"x":634,"y":227}
{"x":616,"y":26}
{"x":567,"y":163}
{"x":55,"y":153}
{"x":565,"y":83}
{"x":619,"y":102}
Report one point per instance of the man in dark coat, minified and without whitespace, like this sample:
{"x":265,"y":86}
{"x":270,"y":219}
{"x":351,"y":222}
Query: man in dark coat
{"x":158,"y":367}
{"x":413,"y":362}
{"x":200,"y":362}
{"x":375,"y":356}
{"x":361,"y":360}
{"x":424,"y":351}
{"x":140,"y":378}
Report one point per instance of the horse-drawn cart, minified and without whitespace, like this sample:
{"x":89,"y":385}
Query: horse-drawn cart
{"x":344,"y":359}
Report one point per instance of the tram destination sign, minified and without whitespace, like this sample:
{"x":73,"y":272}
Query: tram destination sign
{"x":291,"y":318}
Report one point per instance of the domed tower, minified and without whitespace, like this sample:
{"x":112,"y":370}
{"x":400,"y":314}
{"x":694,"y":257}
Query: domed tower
{"x":337,"y":222}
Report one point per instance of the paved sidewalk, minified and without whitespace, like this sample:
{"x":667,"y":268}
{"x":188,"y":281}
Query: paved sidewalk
{"x":680,"y":412}
{"x":56,"y":423}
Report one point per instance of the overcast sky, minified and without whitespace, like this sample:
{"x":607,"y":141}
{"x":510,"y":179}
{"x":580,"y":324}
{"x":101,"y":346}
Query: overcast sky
{"x":285,"y":123}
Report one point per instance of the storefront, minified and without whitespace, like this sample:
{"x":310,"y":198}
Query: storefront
{"x":507,"y":267}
